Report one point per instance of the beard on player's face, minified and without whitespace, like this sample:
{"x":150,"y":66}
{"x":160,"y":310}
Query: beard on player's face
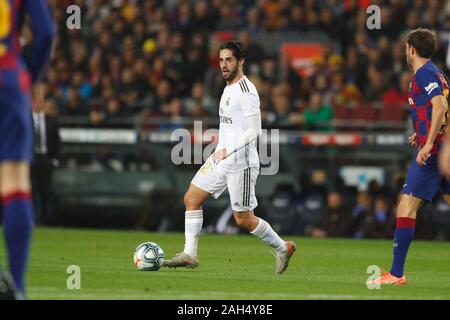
{"x":232,"y":72}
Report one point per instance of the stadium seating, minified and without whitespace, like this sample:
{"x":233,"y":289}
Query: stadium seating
{"x":364,"y":112}
{"x":393,"y":114}
{"x":441,"y":219}
{"x":310,"y":210}
{"x":282,"y":210}
{"x":107,"y":198}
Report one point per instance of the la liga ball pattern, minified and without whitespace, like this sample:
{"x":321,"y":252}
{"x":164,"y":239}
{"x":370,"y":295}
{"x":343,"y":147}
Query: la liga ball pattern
{"x":148,"y":256}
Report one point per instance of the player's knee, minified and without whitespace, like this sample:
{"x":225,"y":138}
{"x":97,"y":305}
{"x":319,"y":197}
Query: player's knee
{"x":405,"y":210}
{"x":15,"y":178}
{"x":190,"y":202}
{"x":242,"y":221}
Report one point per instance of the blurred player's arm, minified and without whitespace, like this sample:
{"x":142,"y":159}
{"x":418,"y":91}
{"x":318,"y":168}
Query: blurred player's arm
{"x":43,"y":31}
{"x":444,"y":155}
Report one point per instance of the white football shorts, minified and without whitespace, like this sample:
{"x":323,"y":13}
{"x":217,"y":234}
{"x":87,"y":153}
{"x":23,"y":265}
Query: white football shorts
{"x":241,"y":185}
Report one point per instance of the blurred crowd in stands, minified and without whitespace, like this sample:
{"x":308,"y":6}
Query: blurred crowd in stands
{"x":337,"y":210}
{"x":158,"y":60}
{"x":154,"y":58}
{"x":326,"y":207}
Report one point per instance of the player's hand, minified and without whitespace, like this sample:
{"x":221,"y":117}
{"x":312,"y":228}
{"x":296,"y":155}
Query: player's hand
{"x":219,"y":155}
{"x":424,"y":154}
{"x":412,"y":140}
{"x":444,"y":160}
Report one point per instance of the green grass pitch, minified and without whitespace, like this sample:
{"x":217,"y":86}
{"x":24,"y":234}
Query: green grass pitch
{"x":231,"y":267}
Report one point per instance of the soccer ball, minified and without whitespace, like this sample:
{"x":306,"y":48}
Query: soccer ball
{"x":148,"y":256}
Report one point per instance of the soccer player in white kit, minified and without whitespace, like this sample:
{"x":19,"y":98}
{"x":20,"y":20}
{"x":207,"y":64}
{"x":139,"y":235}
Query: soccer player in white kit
{"x":233,"y":165}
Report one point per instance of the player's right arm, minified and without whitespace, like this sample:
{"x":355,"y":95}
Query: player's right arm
{"x":43,"y":32}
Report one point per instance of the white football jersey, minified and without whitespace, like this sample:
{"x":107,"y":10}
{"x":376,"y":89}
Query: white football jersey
{"x":238,"y":101}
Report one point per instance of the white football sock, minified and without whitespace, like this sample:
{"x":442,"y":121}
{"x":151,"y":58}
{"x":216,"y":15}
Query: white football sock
{"x":265,"y":232}
{"x":193,"y":221}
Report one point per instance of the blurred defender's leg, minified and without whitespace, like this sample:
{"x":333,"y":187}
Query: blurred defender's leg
{"x":404,"y":232}
{"x":18,"y":216}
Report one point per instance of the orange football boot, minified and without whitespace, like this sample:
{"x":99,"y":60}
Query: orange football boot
{"x":388,"y":278}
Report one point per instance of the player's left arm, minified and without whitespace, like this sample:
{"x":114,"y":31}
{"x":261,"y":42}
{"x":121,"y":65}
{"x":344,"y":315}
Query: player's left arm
{"x":429,"y":82}
{"x":43,"y":32}
{"x":249,"y":103}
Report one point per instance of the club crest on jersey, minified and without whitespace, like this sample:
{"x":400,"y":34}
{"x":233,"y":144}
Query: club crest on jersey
{"x":227,"y":103}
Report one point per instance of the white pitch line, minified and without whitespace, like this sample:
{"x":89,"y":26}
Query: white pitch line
{"x":174,"y":295}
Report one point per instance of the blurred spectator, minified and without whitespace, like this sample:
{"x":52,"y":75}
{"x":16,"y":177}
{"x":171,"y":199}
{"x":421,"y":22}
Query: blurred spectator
{"x":229,"y":19}
{"x":285,"y":73}
{"x":317,"y":116}
{"x":115,"y":113}
{"x":173,"y":111}
{"x":253,"y":25}
{"x":46,"y":154}
{"x":344,"y":94}
{"x":359,"y":213}
{"x":75,"y":105}
{"x":202,"y":20}
{"x":129,"y":48}
{"x":281,"y":105}
{"x":377,"y":84}
{"x":379,"y":223}
{"x":334,"y":219}
{"x":197,"y":96}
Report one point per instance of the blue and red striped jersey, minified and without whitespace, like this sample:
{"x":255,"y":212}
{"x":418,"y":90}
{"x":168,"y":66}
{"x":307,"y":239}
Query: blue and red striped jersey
{"x":427,"y":83}
{"x":12,"y":14}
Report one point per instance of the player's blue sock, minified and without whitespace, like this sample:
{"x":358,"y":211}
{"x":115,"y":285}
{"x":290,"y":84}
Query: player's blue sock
{"x":404,"y":235}
{"x":18,"y":224}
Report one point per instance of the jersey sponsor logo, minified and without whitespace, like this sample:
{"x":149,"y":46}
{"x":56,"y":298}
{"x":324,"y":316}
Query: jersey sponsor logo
{"x":226,"y":120}
{"x":431,"y":86}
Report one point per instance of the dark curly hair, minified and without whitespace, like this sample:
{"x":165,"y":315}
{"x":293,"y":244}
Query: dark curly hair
{"x":423,"y":40}
{"x":238,"y":49}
